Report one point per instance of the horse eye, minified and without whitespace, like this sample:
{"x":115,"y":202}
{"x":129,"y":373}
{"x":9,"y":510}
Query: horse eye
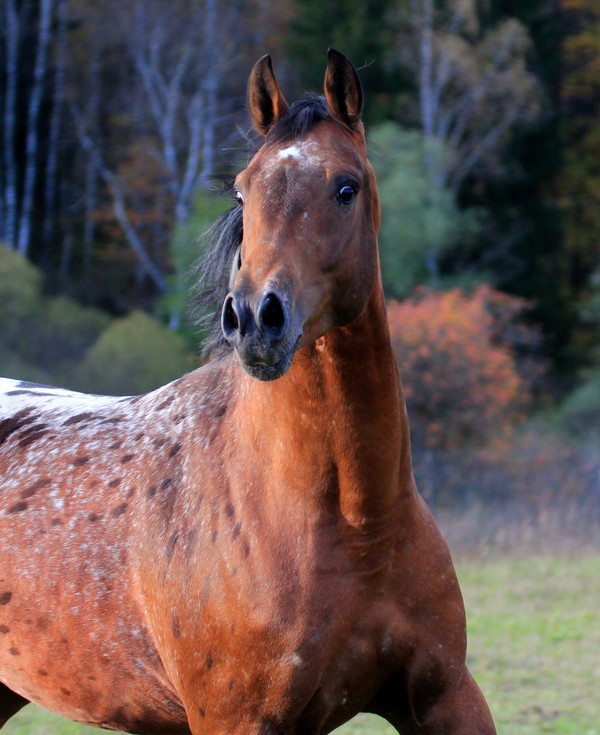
{"x":238,"y":197}
{"x":347,"y":193}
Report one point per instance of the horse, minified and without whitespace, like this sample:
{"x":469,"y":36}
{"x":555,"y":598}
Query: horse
{"x":243,"y":551}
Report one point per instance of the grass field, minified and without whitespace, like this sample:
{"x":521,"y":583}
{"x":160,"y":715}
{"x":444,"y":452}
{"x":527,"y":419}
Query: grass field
{"x":534,"y":647}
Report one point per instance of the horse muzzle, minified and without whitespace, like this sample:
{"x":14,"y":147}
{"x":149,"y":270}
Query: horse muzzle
{"x":261,"y":333}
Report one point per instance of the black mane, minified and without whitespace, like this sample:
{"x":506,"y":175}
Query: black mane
{"x":222,"y":240}
{"x":299,"y":120}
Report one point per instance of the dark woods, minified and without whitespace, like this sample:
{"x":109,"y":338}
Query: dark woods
{"x":119,"y":123}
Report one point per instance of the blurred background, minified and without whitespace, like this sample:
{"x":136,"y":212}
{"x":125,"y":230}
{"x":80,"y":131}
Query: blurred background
{"x":122,"y":124}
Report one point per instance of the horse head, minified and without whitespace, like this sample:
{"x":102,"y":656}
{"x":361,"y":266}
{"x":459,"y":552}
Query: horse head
{"x":308,"y":257}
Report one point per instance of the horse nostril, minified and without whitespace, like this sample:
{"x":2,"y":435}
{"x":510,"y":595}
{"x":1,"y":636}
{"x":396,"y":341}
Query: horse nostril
{"x":272,"y":315}
{"x":229,"y":319}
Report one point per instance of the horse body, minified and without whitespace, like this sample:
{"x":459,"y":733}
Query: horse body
{"x":233,"y":555}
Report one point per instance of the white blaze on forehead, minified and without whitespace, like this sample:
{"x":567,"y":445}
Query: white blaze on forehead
{"x":305,"y":152}
{"x":293,"y":151}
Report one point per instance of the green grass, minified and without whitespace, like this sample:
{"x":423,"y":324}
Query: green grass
{"x":534,"y":647}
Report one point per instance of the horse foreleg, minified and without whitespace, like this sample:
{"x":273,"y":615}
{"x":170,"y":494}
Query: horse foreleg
{"x":10,"y":704}
{"x":460,"y":710}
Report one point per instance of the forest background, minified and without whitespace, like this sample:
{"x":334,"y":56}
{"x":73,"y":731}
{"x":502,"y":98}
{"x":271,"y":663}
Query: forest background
{"x":122,"y":123}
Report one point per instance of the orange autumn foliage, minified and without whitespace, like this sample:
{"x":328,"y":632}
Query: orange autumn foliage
{"x":457,"y":364}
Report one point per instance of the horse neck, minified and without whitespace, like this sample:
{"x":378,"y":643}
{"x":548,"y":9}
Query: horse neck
{"x":340,"y":411}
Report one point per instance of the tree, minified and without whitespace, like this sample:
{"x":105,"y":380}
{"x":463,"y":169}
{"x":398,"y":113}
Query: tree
{"x":420,"y":218}
{"x":474,"y":87}
{"x":179,"y":58}
{"x":578,"y":182}
{"x":362,"y":30}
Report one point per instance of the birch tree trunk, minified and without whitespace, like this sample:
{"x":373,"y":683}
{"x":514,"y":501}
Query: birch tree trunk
{"x":10,"y":218}
{"x":32,"y":143}
{"x":50,"y":188}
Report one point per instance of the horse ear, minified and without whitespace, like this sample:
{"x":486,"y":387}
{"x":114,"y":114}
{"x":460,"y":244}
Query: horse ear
{"x":343,"y":91}
{"x":265,"y":101}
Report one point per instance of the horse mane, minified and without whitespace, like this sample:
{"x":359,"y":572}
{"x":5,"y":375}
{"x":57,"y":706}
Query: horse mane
{"x":222,"y":240}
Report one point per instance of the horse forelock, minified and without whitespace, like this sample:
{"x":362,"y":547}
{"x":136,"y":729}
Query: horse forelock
{"x":299,"y":120}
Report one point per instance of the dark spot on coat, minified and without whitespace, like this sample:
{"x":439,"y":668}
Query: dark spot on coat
{"x":158,"y":443}
{"x":79,"y":418}
{"x":236,"y":531}
{"x":179,"y":418}
{"x":18,"y":507}
{"x":16,"y":422}
{"x":4,"y":629}
{"x":131,"y":492}
{"x":209,"y":660}
{"x":202,"y":711}
{"x":116,"y":445}
{"x":81,"y":460}
{"x":191,"y":539}
{"x":32,"y":434}
{"x":231,"y":684}
{"x":56,"y":522}
{"x":171,"y":543}
{"x":32,"y":489}
{"x":138,"y":436}
{"x":229,"y":510}
{"x":167,"y":402}
{"x":175,"y":449}
{"x":93,"y":517}
{"x":175,"y":627}
{"x":66,"y":692}
{"x":221,"y":411}
{"x":14,"y":651}
{"x":5,"y":598}
{"x":127,"y":458}
{"x":42,"y":672}
{"x":151,"y":492}
{"x":115,"y":483}
{"x":166,"y":483}
{"x":119,"y":510}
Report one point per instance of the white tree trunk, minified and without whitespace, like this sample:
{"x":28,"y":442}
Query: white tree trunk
{"x":32,"y":143}
{"x":55,"y":125}
{"x":9,"y":228}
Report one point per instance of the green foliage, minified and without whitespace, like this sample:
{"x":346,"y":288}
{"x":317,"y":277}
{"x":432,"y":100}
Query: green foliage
{"x":362,"y":30}
{"x":580,"y":413}
{"x":185,"y":251}
{"x":420,"y":219}
{"x":19,"y":295}
{"x":134,"y":355}
{"x":60,"y":332}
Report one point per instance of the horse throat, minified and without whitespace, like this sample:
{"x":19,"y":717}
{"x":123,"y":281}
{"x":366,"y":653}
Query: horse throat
{"x":341,"y":412}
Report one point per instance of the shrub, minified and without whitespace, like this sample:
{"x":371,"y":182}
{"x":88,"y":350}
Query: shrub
{"x":460,"y":374}
{"x":134,"y":355}
{"x":59,"y":334}
{"x":19,"y":295}
{"x":580,"y":413}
